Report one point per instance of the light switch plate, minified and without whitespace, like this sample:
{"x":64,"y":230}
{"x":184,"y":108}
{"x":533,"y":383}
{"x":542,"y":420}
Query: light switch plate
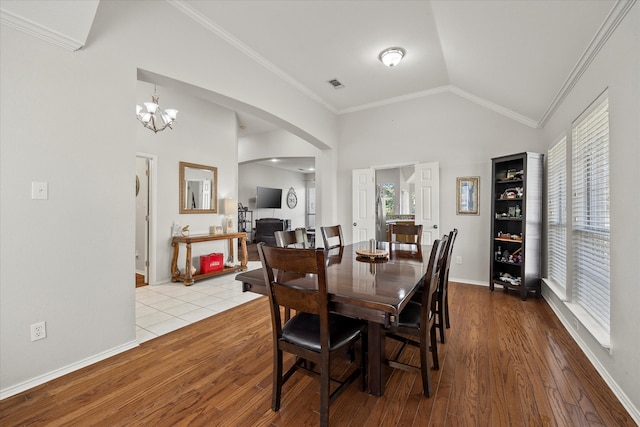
{"x":40,"y":190}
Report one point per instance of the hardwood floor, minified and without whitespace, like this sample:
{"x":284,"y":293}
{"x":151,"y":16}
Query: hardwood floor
{"x":140,"y":280}
{"x":506,"y":363}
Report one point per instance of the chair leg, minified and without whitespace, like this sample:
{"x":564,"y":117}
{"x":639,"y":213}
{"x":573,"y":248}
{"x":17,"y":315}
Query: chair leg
{"x":446,"y":309}
{"x":324,"y":392}
{"x":434,"y":350}
{"x":364,"y":345}
{"x":277,"y":380}
{"x":441,"y":328}
{"x":440,"y":317}
{"x":425,"y":368}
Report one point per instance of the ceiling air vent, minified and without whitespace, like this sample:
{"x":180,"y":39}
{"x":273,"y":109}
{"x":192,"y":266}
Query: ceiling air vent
{"x":336,"y":84}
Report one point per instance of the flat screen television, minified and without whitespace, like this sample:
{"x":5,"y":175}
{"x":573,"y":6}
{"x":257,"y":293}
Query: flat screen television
{"x":268,"y":198}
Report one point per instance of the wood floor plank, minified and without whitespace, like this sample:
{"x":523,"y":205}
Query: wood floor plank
{"x":506,"y":363}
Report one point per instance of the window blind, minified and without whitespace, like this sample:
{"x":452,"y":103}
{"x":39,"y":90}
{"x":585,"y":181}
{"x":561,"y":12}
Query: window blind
{"x":557,"y":213}
{"x":591,"y":242}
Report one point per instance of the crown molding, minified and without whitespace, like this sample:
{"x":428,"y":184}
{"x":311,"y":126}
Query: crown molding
{"x":233,"y":41}
{"x":43,"y":33}
{"x":495,"y":107}
{"x":608,"y":27}
{"x":450,"y":89}
{"x":396,"y":99}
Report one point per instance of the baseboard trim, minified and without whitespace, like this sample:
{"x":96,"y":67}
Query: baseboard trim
{"x":469,"y":282}
{"x":39,"y":380}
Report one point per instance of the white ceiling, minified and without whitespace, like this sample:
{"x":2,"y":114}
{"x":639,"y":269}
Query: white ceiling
{"x":514,"y":56}
{"x":517,"y":57}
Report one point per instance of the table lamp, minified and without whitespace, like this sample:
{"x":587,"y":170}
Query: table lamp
{"x":229,"y":208}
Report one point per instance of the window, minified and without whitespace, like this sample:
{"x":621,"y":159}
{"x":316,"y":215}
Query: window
{"x":388,"y":198}
{"x":590,"y":211}
{"x":557,"y":213}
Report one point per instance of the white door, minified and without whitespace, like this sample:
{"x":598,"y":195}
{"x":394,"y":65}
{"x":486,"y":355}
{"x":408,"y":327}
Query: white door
{"x":363,"y":210}
{"x":427,"y":183}
{"x":142,"y":217}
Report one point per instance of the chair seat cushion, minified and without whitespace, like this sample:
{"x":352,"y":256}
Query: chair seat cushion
{"x":304,"y":330}
{"x":410,"y":315}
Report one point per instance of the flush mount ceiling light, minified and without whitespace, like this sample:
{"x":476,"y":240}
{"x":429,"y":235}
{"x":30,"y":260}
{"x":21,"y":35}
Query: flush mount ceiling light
{"x":154,"y":117}
{"x":391,"y":56}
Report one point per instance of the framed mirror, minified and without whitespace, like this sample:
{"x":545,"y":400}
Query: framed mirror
{"x":198,"y":188}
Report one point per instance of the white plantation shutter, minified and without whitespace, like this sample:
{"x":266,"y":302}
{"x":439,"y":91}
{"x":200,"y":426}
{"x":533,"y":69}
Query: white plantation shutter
{"x":591,"y":254}
{"x":557,"y":213}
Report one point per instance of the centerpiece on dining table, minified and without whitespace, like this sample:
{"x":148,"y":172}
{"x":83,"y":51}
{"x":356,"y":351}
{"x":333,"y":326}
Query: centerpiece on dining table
{"x":372,"y":253}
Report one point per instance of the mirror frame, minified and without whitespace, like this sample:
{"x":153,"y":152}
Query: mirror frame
{"x":182,"y":186}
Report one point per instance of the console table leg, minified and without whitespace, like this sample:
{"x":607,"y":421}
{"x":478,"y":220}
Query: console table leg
{"x":188,"y":277}
{"x":175,"y":272}
{"x":245,"y":254}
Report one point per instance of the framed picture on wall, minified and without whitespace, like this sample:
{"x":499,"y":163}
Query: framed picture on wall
{"x":467,"y":191}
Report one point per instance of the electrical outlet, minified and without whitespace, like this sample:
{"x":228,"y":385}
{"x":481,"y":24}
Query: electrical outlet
{"x":38,"y":331}
{"x":458,"y":259}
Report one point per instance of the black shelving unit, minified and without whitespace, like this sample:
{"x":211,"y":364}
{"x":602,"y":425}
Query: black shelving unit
{"x":516,"y":223}
{"x":245,"y":223}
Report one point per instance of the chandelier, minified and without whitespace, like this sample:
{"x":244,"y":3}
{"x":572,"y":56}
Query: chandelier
{"x":154,"y":117}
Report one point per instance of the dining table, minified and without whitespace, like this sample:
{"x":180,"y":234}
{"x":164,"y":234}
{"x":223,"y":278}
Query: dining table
{"x":368,"y":285}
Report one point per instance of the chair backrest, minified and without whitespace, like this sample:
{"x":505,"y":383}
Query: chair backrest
{"x":406,"y":233}
{"x":448,"y":251}
{"x":296,"y":265}
{"x":295,"y":238}
{"x":332,"y":234}
{"x":431,"y":279}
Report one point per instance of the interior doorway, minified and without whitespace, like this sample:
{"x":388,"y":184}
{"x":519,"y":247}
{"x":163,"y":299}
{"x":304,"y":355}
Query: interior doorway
{"x":142,"y":221}
{"x":415,"y":198}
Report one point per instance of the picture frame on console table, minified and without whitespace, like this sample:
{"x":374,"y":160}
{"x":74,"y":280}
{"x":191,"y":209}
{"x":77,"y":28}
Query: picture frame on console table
{"x":467,"y":195}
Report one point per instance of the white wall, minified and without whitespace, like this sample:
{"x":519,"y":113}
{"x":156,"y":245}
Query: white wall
{"x":67,"y":118}
{"x":616,"y":67}
{"x":252,"y":175}
{"x":460,"y":135}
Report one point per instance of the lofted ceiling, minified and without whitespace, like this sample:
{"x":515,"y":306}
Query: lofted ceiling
{"x":517,"y":57}
{"x":512,"y":56}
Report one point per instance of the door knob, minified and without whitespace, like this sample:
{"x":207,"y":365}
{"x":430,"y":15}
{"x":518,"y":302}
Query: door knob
{"x":355,"y":224}
{"x":435,"y":225}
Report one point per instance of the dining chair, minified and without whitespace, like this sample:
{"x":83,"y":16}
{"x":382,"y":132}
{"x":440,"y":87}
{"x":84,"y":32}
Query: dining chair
{"x":294,"y":238}
{"x":416,"y":323}
{"x":313,"y":335}
{"x":442,"y":293}
{"x":332,"y":234}
{"x":406,"y":233}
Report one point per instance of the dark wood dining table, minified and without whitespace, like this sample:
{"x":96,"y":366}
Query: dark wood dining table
{"x":373,"y":289}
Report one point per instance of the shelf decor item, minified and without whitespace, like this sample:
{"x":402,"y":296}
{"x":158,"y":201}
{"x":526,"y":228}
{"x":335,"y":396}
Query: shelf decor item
{"x":516,"y":222}
{"x":468,"y":189}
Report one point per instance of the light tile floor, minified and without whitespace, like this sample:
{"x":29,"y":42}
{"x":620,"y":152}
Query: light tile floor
{"x":164,"y":308}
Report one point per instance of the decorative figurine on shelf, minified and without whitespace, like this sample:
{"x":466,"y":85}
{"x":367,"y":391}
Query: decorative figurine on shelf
{"x":185,"y":231}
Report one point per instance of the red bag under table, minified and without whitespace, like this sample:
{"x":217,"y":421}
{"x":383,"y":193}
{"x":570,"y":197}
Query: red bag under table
{"x":211,"y":262}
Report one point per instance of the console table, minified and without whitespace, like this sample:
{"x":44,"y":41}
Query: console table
{"x":189,"y":278}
